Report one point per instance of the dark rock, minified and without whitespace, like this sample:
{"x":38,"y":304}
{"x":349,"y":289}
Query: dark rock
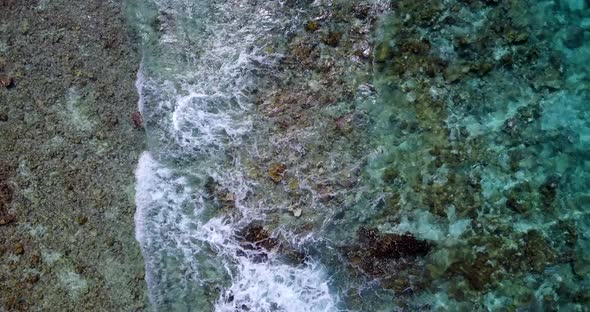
{"x":332,"y":38}
{"x":514,"y":204}
{"x":507,"y":60}
{"x":574,"y":37}
{"x":6,"y":218}
{"x":392,"y":246}
{"x":479,"y":273}
{"x":312,"y":26}
{"x":33,"y":279}
{"x":390,"y":175}
{"x":383,"y":53}
{"x":419,"y":47}
{"x":35,"y":259}
{"x":347,"y":123}
{"x":516,"y":36}
{"x":456,"y":72}
{"x":3,"y":116}
{"x":511,"y":126}
{"x":491,"y":2}
{"x":5,"y":193}
{"x":548,"y":190}
{"x":137,"y":119}
{"x":361,"y":11}
{"x":6,"y":82}
{"x":19,"y":249}
{"x":256,"y":237}
{"x":276,"y":172}
{"x":81,"y":220}
{"x":483,"y":68}
{"x":538,"y":252}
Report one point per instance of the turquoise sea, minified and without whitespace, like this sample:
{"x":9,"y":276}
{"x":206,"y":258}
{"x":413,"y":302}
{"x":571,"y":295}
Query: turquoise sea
{"x":365,"y":155}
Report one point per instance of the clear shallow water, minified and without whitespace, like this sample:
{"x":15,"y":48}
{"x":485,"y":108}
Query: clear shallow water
{"x":287,"y":158}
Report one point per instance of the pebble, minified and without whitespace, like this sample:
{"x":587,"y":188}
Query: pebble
{"x":19,"y":249}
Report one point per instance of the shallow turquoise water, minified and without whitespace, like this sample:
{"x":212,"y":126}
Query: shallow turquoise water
{"x":365,"y":155}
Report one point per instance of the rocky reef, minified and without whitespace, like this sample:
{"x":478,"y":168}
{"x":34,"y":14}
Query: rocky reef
{"x":477,"y":155}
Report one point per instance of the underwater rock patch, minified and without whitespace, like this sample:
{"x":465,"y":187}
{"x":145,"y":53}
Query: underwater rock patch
{"x":6,"y":81}
{"x":257,"y":237}
{"x":381,"y":255}
{"x":5,"y":198}
{"x":137,"y":120}
{"x":574,"y":37}
{"x":276,"y":172}
{"x":392,"y":246}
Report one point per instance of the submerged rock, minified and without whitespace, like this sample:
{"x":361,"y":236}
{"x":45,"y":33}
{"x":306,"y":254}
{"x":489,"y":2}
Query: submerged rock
{"x":5,"y":193}
{"x":256,"y":237}
{"x":538,"y":251}
{"x":548,"y":191}
{"x":574,"y":37}
{"x":276,"y":172}
{"x":312,"y":26}
{"x":392,"y":246}
{"x":332,"y":38}
{"x":6,"y":81}
{"x":137,"y":119}
{"x":389,"y":257}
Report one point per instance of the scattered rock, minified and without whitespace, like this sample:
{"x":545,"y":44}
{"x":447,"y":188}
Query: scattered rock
{"x":19,"y":249}
{"x":479,"y":273}
{"x":6,"y":81}
{"x":538,"y":251}
{"x":5,"y":193}
{"x":297,"y":212}
{"x":257,"y":237}
{"x":383,"y":53}
{"x":276,"y":172}
{"x":344,"y":123}
{"x":137,"y":119}
{"x":332,"y":38}
{"x":549,"y":78}
{"x":381,"y":254}
{"x":81,"y":220}
{"x":514,"y":204}
{"x":581,"y":263}
{"x":574,"y":37}
{"x":392,"y":246}
{"x":511,"y":126}
{"x":390,"y":174}
{"x":517,"y":37}
{"x":456,"y":72}
{"x":3,"y":116}
{"x":312,"y":26}
{"x":33,"y":279}
{"x":6,"y":218}
{"x":548,"y":191}
{"x":35,"y":259}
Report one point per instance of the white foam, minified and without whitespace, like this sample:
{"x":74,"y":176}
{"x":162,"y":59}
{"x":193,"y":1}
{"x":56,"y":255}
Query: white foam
{"x":260,"y":285}
{"x":201,"y":109}
{"x":195,"y":87}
